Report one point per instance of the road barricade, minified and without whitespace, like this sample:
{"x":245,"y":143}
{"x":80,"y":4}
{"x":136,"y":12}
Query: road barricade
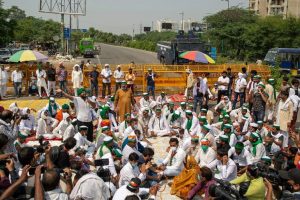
{"x":170,"y":78}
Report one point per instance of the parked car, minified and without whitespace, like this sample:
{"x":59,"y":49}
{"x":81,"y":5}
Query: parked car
{"x":4,"y":55}
{"x":14,"y":50}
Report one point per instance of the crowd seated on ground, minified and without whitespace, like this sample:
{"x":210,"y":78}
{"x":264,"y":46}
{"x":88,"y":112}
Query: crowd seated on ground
{"x":92,"y":148}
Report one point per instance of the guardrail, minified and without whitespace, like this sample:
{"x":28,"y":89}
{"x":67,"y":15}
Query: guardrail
{"x":171,"y":78}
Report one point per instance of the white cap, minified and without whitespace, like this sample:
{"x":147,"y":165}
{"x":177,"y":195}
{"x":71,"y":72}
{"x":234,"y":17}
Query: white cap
{"x":255,"y":125}
{"x":118,"y":66}
{"x":107,"y":138}
{"x":74,"y":120}
{"x":52,"y":99}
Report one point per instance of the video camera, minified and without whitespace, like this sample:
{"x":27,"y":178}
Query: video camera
{"x":225,"y":191}
{"x":271,"y":174}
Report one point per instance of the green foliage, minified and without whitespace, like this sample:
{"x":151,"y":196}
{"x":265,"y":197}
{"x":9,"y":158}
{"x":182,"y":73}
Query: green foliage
{"x":240,"y":34}
{"x":31,"y":29}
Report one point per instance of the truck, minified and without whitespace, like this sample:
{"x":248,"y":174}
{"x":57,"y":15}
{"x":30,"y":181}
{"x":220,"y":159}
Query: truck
{"x":168,"y":51}
{"x":86,"y":47}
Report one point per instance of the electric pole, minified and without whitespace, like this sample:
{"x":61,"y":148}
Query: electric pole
{"x":182,"y":15}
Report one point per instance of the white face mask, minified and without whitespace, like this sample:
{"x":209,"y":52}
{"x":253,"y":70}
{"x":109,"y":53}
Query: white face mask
{"x":135,"y":126}
{"x":173,"y":149}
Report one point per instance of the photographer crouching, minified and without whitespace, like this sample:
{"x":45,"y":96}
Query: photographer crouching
{"x":292,"y":178}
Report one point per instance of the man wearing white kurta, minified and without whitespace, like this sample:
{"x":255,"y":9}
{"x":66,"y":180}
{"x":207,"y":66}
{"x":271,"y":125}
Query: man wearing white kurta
{"x":206,"y":134}
{"x":173,"y":163}
{"x":206,"y":156}
{"x":145,"y":101}
{"x":226,"y":168}
{"x":83,"y":142}
{"x":131,"y":170}
{"x":158,"y":125}
{"x":3,"y":81}
{"x":241,"y":156}
{"x":130,"y":148}
{"x":41,"y":80}
{"x":119,"y":77}
{"x":191,"y":127}
{"x":62,"y":126}
{"x":257,"y":149}
{"x":45,"y":125}
{"x":71,"y":130}
{"x":270,"y":90}
{"x":77,"y":78}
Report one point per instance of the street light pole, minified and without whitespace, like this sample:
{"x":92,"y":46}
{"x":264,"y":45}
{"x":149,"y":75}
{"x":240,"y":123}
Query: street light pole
{"x":182,"y":14}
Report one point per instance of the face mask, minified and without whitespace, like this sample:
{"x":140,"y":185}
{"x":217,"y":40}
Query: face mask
{"x":199,"y":177}
{"x":52,"y":103}
{"x":193,"y":145}
{"x":173,"y":149}
{"x":135,"y":127}
{"x":204,"y":148}
{"x":134,"y":165}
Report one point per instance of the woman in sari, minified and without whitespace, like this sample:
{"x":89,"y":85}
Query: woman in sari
{"x":187,"y":179}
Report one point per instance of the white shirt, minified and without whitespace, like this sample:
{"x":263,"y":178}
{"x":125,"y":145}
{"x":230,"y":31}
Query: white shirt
{"x":206,"y":158}
{"x":145,"y":103}
{"x":223,"y":80}
{"x":43,"y":125}
{"x":226,"y":172}
{"x":28,"y":124}
{"x":126,"y":152}
{"x":156,"y":123}
{"x":69,"y":132}
{"x":16,"y":76}
{"x":81,"y":141}
{"x":128,"y":172}
{"x":243,"y":159}
{"x":106,"y":73}
{"x":56,"y":194}
{"x":118,"y":75}
{"x":260,"y":152}
{"x":240,"y":83}
{"x":122,"y":193}
{"x":177,"y":160}
{"x":3,"y":77}
{"x":84,"y":113}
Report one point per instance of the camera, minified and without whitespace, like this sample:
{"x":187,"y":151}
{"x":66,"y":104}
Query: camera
{"x":3,"y":162}
{"x":101,"y":162}
{"x":271,"y":174}
{"x":32,"y":170}
{"x":24,"y":117}
{"x":225,"y":191}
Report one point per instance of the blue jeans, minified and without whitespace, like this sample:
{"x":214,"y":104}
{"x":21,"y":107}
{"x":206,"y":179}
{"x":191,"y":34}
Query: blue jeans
{"x":94,"y":86}
{"x":18,"y":88}
{"x":197,"y":100}
{"x":236,"y":95}
{"x":151,"y":89}
{"x":259,"y":115}
{"x":62,"y":86}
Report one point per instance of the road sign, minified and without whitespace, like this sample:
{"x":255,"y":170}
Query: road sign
{"x":84,"y":30}
{"x":67,"y":33}
{"x":213,"y":53}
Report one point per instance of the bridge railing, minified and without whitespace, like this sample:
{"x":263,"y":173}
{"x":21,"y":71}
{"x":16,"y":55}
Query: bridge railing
{"x":170,"y":78}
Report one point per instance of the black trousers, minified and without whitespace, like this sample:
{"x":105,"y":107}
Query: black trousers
{"x":89,"y":135}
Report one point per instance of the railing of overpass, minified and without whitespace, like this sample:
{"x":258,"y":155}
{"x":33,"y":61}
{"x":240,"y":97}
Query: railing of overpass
{"x":171,"y":78}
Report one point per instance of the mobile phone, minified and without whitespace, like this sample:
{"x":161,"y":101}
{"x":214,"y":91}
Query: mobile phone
{"x":32,"y":170}
{"x":101,"y":162}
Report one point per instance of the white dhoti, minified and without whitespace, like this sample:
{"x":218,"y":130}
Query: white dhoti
{"x":269,"y":113}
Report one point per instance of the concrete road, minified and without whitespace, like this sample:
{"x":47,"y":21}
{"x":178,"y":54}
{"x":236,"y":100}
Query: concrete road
{"x":123,"y":55}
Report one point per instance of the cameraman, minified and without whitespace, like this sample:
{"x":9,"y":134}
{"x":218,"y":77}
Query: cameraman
{"x":251,"y":184}
{"x":292,"y":177}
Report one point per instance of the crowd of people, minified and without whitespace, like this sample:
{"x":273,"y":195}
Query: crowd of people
{"x":92,"y":148}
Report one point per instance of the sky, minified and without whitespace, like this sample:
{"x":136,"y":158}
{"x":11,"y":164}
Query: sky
{"x":122,"y":16}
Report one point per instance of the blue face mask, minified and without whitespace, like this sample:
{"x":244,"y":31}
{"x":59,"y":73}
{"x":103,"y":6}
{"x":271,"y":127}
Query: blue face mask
{"x":134,"y":165}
